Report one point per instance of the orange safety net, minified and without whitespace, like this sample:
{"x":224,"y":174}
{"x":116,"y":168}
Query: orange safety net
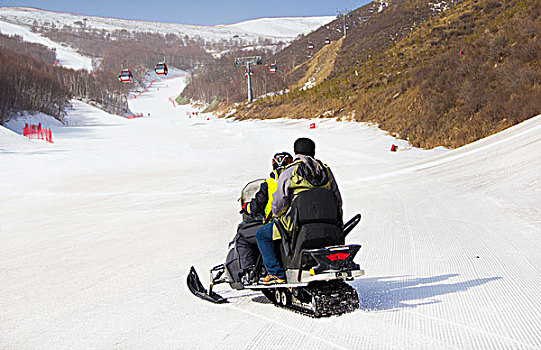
{"x":37,"y":132}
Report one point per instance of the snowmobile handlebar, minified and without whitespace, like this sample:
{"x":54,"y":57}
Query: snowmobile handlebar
{"x":351,"y":224}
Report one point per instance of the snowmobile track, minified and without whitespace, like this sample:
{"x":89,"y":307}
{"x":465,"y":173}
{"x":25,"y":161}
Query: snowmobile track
{"x":331,"y":299}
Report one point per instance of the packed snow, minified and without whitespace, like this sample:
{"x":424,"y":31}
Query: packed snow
{"x":276,"y":29}
{"x":288,"y":27}
{"x":99,"y":229}
{"x":66,"y":56}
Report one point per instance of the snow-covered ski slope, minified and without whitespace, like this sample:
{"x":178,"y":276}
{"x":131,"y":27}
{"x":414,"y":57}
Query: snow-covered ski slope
{"x":67,"y":56}
{"x":99,"y":229}
{"x":276,"y":29}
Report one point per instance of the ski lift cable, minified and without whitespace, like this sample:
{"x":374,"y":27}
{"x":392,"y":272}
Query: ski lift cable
{"x":122,"y":45}
{"x":177,"y":57}
{"x":209,"y":61}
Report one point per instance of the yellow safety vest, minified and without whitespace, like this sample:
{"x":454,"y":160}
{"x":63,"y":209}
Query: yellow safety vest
{"x":272,"y":184}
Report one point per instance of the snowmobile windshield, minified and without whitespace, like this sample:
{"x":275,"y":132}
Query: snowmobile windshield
{"x":249,"y":191}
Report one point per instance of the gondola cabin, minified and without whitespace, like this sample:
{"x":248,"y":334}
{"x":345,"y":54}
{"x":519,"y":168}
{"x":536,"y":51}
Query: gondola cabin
{"x":161,"y":68}
{"x":246,"y":72}
{"x":327,"y":41}
{"x":310,"y":46}
{"x":125,"y":76}
{"x":273,"y":68}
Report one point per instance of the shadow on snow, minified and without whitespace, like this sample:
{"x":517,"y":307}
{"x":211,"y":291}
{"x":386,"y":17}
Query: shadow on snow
{"x":399,"y":292}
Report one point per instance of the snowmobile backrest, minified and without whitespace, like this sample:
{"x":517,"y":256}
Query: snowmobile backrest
{"x":317,"y":223}
{"x":316,"y":206}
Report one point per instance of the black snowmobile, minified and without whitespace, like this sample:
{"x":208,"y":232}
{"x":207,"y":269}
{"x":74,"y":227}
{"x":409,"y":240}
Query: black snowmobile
{"x":314,"y":255}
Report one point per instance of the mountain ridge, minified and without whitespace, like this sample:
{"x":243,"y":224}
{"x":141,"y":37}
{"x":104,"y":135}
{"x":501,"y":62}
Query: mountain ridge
{"x":27,"y":16}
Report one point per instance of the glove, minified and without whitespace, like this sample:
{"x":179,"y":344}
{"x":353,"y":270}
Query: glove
{"x":244,"y":208}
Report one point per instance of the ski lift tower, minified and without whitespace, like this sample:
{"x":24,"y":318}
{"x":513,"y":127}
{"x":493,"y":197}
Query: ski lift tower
{"x":344,"y":14}
{"x":248,"y":61}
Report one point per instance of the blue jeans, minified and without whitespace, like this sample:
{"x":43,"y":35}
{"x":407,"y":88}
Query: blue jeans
{"x":266,"y":247}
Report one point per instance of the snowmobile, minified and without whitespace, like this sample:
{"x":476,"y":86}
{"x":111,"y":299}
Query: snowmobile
{"x":316,"y":260}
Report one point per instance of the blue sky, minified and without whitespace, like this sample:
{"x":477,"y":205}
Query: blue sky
{"x":206,"y":12}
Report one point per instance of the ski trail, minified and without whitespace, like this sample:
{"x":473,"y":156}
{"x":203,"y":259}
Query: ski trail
{"x":476,"y":330}
{"x":67,"y":56}
{"x":297,"y":330}
{"x":528,"y":128}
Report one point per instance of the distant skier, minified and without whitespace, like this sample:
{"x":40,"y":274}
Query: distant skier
{"x":303,"y":174}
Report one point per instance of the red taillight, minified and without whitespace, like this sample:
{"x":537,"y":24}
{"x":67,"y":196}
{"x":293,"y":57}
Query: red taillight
{"x":337,"y":256}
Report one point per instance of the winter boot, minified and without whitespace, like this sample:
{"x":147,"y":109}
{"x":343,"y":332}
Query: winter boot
{"x":270,"y":279}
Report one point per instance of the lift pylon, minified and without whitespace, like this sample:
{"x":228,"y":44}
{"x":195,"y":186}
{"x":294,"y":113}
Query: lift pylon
{"x":248,"y":61}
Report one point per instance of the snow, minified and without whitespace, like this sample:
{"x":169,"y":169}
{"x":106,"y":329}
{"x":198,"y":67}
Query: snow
{"x":276,"y":29}
{"x":16,"y":123}
{"x":309,"y":84}
{"x":11,"y":140}
{"x":99,"y":230}
{"x":439,"y":6}
{"x":67,"y":56}
{"x":281,"y":27}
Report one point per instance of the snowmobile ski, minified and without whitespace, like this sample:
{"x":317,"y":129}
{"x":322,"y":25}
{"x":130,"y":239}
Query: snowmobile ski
{"x":196,"y":287}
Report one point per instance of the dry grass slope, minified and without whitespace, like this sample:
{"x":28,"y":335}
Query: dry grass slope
{"x":450,"y":80}
{"x":320,"y":66}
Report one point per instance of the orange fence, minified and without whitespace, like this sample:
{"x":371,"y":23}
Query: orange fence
{"x":144,"y":90}
{"x":37,"y":132}
{"x":135,"y":115}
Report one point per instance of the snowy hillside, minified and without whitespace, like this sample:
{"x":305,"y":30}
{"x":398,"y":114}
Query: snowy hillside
{"x":99,"y":229}
{"x":275,"y":29}
{"x":66,"y":56}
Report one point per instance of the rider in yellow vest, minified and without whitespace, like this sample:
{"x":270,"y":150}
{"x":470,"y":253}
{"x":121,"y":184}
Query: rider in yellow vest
{"x":261,"y":203}
{"x":258,"y":210}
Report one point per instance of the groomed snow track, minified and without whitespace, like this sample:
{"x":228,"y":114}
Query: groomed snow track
{"x":99,"y":229}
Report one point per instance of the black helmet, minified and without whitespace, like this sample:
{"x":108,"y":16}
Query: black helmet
{"x":281,"y":160}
